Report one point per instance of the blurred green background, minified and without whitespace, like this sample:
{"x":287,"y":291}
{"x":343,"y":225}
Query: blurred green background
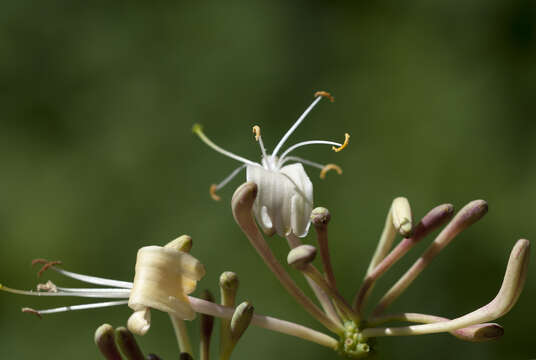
{"x":98,"y":159}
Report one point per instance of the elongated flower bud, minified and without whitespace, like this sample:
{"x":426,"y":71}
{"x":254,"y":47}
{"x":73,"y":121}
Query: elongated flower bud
{"x":228,"y":287}
{"x":105,"y":341}
{"x":479,"y":332}
{"x":128,"y":345}
{"x":207,"y":324}
{"x":402,"y":219}
{"x":241,"y":320}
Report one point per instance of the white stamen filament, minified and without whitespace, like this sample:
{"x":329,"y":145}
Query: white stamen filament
{"x":263,"y":150}
{"x":296,"y":124}
{"x":230,"y":177}
{"x":93,"y":279}
{"x":95,"y":290}
{"x":209,"y":142}
{"x":81,"y":307}
{"x":81,"y":293}
{"x":303,"y":161}
{"x":304,"y":143}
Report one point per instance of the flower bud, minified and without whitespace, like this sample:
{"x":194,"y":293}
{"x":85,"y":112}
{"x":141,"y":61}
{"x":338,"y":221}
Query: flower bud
{"x":128,"y":345}
{"x":105,"y":341}
{"x":320,"y":216}
{"x":479,"y":332}
{"x":301,"y":256}
{"x":182,"y":243}
{"x":207,"y":324}
{"x":402,"y":219}
{"x":241,"y":320}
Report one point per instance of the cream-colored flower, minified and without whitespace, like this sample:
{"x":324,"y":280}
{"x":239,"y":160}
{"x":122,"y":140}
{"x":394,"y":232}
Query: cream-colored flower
{"x":164,"y":277}
{"x":285,"y":198}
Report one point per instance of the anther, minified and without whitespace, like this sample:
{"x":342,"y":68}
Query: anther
{"x":346,"y":140}
{"x":213,"y":195}
{"x":329,"y":167}
{"x":46,"y":266}
{"x":31,"y":311}
{"x":325,"y":94}
{"x":257,"y":132}
{"x":49,"y":286}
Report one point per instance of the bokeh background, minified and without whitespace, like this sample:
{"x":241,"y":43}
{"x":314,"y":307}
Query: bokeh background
{"x":98,"y":159}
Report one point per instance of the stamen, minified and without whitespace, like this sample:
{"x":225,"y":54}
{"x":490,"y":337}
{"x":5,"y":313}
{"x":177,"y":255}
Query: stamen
{"x":48,"y":286}
{"x":94,"y":279}
{"x":212,"y":191}
{"x":123,"y":292}
{"x":216,"y":187}
{"x":296,"y":124}
{"x":345,"y":144}
{"x":257,"y":132}
{"x":92,"y":293}
{"x":258,"y":137}
{"x":47,"y":264}
{"x":31,"y":311}
{"x":329,"y":167}
{"x":324,"y":168}
{"x":74,"y":307}
{"x":301,"y":160}
{"x":199,"y":131}
{"x":325,"y":94}
{"x":310,"y":142}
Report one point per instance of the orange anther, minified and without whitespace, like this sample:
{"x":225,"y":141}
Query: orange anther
{"x":213,"y":195}
{"x":329,"y":167}
{"x":325,"y":94}
{"x":346,"y":140}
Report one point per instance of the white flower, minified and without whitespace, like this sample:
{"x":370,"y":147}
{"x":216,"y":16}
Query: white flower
{"x":285,"y":193}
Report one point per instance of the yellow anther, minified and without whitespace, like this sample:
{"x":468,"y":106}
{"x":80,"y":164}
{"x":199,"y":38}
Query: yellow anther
{"x":257,"y":132}
{"x":329,"y":167}
{"x":197,"y":128}
{"x":325,"y":94}
{"x":213,"y":195}
{"x":345,"y":144}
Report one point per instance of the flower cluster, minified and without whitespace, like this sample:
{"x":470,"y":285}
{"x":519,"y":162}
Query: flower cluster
{"x":280,"y":198}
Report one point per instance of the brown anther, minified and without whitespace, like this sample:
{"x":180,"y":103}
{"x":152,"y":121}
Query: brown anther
{"x":49,"y":286}
{"x":345,"y":144}
{"x":257,"y":132}
{"x":48,"y":264}
{"x":329,"y":167}
{"x":325,"y":94}
{"x":213,"y":195}
{"x":31,"y":311}
{"x":39,"y":261}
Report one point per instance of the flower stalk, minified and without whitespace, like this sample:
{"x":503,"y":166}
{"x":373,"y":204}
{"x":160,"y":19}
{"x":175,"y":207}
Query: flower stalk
{"x":242,"y":204}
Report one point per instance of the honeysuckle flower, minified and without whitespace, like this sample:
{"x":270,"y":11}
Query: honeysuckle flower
{"x":163,"y":279}
{"x":285,"y":192}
